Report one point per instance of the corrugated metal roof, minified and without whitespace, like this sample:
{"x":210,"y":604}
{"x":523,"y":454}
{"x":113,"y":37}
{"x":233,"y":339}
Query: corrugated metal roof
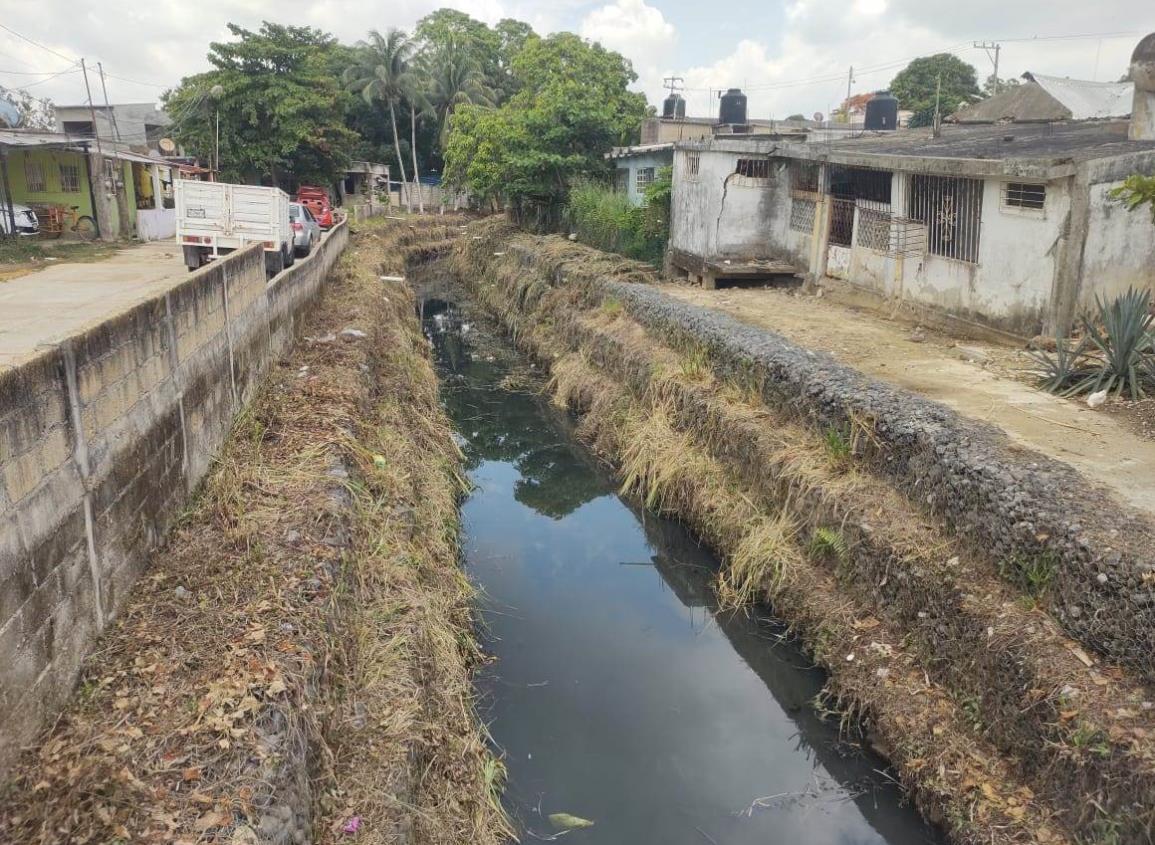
{"x":22,"y":138}
{"x":1088,"y":100}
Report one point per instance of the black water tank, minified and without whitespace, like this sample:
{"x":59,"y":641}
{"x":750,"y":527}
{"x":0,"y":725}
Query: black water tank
{"x":674,"y":106}
{"x":882,"y":112}
{"x":733,"y":107}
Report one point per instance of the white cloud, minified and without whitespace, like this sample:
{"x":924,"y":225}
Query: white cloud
{"x":639,"y":32}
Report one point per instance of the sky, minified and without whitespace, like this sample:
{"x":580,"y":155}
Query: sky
{"x":790,"y":56}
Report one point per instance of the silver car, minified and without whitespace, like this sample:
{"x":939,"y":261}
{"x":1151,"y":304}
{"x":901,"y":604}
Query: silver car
{"x":26,"y":222}
{"x":306,"y":231}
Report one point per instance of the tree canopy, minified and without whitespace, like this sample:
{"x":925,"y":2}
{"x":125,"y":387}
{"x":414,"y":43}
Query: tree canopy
{"x":915,"y":86}
{"x":572,"y":104}
{"x":282,"y":109}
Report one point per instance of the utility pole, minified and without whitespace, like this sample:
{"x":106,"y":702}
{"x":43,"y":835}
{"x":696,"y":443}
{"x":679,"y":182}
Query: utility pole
{"x":108,"y":105}
{"x":97,"y":209}
{"x":988,"y":47}
{"x":846,"y":104}
{"x":92,"y":112}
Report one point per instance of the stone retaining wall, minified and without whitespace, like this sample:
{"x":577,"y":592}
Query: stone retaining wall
{"x":103,"y":439}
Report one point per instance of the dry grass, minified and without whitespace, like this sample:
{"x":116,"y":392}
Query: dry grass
{"x":298,"y":653}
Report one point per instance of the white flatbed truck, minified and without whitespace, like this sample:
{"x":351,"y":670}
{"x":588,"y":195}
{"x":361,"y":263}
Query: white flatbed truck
{"x":216,"y":218}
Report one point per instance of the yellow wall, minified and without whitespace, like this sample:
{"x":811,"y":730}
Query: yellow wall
{"x":49,"y":162}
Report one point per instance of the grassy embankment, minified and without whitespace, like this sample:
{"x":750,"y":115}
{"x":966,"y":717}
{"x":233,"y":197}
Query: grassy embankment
{"x":295,"y":665}
{"x":1001,"y":725}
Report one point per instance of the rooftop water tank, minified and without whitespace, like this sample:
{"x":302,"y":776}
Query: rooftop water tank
{"x":674,"y":106}
{"x":881,"y":112}
{"x":733,"y":107}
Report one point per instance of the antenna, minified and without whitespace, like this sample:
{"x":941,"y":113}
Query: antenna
{"x":674,"y":83}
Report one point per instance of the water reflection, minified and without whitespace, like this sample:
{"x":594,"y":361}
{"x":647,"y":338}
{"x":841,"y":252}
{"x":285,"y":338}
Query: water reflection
{"x":621,"y":693}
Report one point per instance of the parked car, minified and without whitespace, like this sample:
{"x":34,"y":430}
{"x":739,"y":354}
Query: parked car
{"x":215,"y":218}
{"x":306,"y":230}
{"x":317,"y":201}
{"x":27,"y":224}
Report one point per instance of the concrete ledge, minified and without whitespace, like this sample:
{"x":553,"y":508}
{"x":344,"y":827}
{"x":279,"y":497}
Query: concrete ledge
{"x":103,"y":439}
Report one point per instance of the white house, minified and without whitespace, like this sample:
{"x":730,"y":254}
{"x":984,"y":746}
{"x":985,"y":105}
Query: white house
{"x":1010,"y":226}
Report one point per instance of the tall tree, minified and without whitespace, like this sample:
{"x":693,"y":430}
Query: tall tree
{"x":916,"y":85}
{"x":282,"y":114}
{"x":454,"y":78}
{"x":379,"y":74}
{"x":572,"y":107}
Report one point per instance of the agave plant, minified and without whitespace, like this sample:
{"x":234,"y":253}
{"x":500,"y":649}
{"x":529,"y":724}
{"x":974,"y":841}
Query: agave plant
{"x":1115,"y":354}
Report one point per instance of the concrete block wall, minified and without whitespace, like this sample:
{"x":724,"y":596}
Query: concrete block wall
{"x":103,"y":439}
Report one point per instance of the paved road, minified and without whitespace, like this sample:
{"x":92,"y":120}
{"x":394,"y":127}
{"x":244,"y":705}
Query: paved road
{"x":45,"y":307}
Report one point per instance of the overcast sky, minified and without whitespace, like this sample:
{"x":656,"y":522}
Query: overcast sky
{"x":790,"y":55}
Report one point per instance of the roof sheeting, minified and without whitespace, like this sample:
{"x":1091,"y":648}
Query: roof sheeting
{"x":1051,"y":98}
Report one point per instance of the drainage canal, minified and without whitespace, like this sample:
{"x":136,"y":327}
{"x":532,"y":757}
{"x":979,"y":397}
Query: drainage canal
{"x":621,"y":693}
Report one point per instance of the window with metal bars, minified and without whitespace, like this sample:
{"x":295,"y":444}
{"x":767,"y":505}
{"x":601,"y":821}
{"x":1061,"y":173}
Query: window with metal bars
{"x":692,"y":163}
{"x":70,"y":178}
{"x":951,"y":209}
{"x":802,"y":215}
{"x":1029,"y":196}
{"x":34,"y":177}
{"x":644,"y":177}
{"x":621,"y":179}
{"x":804,"y":176}
{"x":753,"y":168}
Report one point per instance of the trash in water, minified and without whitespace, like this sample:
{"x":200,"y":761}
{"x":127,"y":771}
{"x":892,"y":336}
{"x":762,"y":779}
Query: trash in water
{"x":564,"y":821}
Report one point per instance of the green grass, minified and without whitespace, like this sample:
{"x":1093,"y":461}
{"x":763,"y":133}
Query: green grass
{"x":29,"y":250}
{"x":606,"y":219}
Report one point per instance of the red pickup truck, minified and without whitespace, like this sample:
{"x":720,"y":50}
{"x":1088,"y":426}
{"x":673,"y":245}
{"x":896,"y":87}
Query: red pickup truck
{"x":317,"y":201}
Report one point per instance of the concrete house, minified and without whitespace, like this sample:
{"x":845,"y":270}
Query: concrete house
{"x":1009,"y":226}
{"x":139,"y":126}
{"x":636,"y":167}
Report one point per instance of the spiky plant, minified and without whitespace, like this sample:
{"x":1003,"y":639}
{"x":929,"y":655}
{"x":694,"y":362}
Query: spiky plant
{"x":1124,"y":341}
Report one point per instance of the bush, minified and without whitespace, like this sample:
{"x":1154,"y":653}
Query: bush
{"x":606,"y":219}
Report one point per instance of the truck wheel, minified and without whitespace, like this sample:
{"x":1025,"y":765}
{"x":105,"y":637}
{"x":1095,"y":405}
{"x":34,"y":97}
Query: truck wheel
{"x":274,"y":263}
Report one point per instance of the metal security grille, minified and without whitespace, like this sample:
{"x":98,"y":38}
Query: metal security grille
{"x":862,"y":183}
{"x":804,"y":176}
{"x":1024,"y":195}
{"x":754,"y":168}
{"x":69,"y":178}
{"x":873,"y":229}
{"x":34,"y":176}
{"x":644,"y":178}
{"x":693,"y":163}
{"x":951,"y":210}
{"x":841,"y":221}
{"x":802,"y":215}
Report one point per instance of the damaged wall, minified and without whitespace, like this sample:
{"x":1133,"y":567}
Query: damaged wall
{"x":103,"y":438}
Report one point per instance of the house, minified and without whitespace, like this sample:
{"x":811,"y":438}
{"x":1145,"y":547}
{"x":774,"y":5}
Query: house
{"x":1045,"y":99}
{"x":1009,"y":226}
{"x":138,"y":126}
{"x":126,"y":193}
{"x":636,"y":167}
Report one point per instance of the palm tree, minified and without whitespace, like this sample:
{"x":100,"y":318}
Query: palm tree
{"x":416,"y":88}
{"x":455,"y":78}
{"x":379,"y":74}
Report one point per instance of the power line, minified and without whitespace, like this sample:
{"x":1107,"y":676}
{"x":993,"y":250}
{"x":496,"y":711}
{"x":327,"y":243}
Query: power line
{"x":135,"y":81}
{"x":36,"y":43}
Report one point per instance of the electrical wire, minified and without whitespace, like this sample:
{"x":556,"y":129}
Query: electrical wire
{"x":36,"y":43}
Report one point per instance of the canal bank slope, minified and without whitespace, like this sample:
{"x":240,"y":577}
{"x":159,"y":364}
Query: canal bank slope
{"x":294,"y":665}
{"x":983,"y":609}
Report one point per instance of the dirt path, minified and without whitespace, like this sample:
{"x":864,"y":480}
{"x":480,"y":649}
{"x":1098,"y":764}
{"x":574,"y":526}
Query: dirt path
{"x":983,"y":387}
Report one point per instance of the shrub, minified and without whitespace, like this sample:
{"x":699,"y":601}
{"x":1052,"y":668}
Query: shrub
{"x":604,"y":218}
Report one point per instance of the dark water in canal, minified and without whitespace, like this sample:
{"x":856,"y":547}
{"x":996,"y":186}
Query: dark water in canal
{"x":620,"y":692}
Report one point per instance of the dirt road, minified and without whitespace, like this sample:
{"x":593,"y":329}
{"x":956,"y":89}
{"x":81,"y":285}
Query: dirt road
{"x":44,"y":307}
{"x":974,"y":379}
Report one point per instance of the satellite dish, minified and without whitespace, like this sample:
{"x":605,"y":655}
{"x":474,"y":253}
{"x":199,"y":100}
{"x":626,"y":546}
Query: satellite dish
{"x":818,"y":117}
{"x":166,"y":145}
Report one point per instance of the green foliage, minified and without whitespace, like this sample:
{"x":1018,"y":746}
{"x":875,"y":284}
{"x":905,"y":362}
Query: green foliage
{"x":838,"y":445}
{"x":1033,"y":574}
{"x":1116,"y":353}
{"x":606,"y":219}
{"x":1135,"y":192}
{"x":572,"y":105}
{"x":829,"y":541}
{"x":282,"y":111}
{"x":916,"y":84}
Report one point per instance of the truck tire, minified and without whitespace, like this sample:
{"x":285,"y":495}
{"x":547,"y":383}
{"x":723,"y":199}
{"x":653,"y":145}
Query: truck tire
{"x":274,"y":263}
{"x":290,"y":254}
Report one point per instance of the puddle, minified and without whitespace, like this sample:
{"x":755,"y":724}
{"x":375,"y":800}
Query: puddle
{"x":620,"y":692}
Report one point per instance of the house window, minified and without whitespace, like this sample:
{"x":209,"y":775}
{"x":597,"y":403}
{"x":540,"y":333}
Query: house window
{"x":873,"y":227}
{"x":1024,"y":195}
{"x":951,"y":210}
{"x":644,"y":178}
{"x":802,"y":215}
{"x":754,"y":168}
{"x":70,"y":178}
{"x":621,"y":179}
{"x":804,"y":176}
{"x":693,"y":161}
{"x":34,"y":176}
